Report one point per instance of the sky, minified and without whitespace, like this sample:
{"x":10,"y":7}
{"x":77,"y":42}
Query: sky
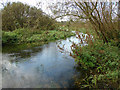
{"x":30,"y":2}
{"x":44,"y":3}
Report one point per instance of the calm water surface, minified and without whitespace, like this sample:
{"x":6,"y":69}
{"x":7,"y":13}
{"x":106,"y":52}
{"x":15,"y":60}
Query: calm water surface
{"x":40,"y":67}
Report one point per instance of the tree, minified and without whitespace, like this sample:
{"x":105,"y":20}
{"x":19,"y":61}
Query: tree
{"x":14,"y":15}
{"x":100,"y":14}
{"x":18,"y":15}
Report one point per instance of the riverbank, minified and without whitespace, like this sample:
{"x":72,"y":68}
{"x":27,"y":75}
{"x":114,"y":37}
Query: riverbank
{"x":39,"y":67}
{"x":99,"y":61}
{"x":27,"y":38}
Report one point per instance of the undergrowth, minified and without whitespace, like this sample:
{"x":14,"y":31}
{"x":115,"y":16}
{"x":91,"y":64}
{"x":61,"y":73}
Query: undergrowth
{"x":100,"y":60}
{"x":30,"y":38}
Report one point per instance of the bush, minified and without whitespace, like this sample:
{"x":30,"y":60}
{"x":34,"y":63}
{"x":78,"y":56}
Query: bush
{"x":9,"y":37}
{"x":20,"y":36}
{"x":24,"y":16}
{"x":101,"y":60}
{"x":98,"y":54}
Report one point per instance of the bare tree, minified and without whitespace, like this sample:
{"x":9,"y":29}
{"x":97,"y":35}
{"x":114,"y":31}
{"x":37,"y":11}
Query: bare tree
{"x":4,"y":3}
{"x":100,"y":14}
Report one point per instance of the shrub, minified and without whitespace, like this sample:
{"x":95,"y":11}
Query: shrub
{"x":24,"y":16}
{"x":97,"y":55}
{"x":101,"y":60}
{"x":9,"y":37}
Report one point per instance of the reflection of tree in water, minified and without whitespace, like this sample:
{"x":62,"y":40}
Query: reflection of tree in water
{"x":45,"y":68}
{"x":23,"y":55}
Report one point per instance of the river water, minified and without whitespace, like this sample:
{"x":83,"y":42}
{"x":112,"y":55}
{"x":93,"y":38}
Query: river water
{"x":39,"y":67}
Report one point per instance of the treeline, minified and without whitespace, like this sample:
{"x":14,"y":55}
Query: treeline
{"x":18,"y":15}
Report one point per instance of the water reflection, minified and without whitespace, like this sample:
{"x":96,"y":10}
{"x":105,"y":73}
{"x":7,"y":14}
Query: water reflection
{"x":39,"y":67}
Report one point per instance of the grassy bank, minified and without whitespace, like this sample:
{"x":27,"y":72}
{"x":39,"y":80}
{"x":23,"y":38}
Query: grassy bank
{"x":27,"y":38}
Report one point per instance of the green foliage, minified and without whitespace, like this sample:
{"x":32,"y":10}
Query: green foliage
{"x":99,"y":59}
{"x":19,"y":15}
{"x":16,"y":18}
{"x":36,"y":36}
{"x":9,"y":37}
{"x":98,"y":54}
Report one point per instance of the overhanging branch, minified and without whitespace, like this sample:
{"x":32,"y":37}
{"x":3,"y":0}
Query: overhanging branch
{"x":79,"y":16}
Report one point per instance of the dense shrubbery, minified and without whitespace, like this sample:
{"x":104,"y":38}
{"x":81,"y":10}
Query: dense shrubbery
{"x":101,"y":60}
{"x":97,"y":55}
{"x":9,"y":37}
{"x":24,"y":38}
{"x":19,"y":15}
{"x":20,"y":36}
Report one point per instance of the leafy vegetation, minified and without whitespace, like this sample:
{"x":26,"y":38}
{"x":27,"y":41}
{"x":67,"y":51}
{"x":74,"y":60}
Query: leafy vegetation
{"x":100,"y":60}
{"x":28,"y":26}
{"x":30,"y":38}
{"x":18,"y":15}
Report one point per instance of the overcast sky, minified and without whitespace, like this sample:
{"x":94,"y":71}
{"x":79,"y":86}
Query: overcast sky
{"x":32,"y":3}
{"x":44,"y":3}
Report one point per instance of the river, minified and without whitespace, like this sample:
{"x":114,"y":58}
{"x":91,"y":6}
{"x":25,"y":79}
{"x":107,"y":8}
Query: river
{"x":39,"y":67}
